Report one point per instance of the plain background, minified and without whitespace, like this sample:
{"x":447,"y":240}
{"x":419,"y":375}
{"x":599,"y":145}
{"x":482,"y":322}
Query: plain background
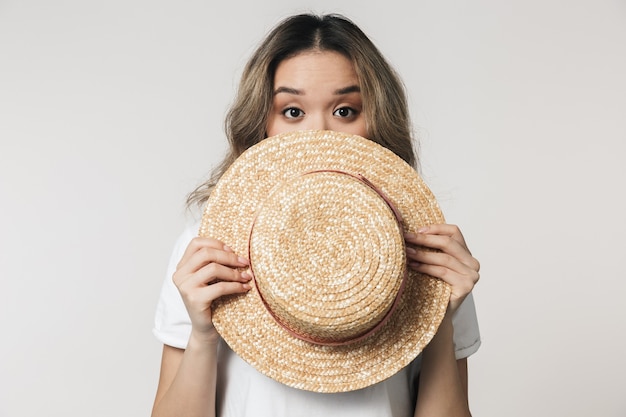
{"x":111,"y":112}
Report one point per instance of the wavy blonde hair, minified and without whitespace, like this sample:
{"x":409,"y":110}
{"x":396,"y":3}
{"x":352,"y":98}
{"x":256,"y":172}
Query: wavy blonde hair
{"x":384,"y":98}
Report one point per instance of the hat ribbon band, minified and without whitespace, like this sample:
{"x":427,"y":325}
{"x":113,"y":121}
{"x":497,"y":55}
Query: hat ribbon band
{"x":391,"y":310}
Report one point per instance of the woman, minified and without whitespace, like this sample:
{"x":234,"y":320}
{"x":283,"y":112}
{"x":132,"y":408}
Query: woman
{"x":310,"y":73}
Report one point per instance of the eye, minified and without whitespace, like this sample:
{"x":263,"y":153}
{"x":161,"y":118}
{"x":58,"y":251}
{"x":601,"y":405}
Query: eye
{"x":345,"y":112}
{"x":293,"y":113}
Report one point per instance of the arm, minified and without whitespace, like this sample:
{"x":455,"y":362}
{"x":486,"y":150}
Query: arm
{"x":461,"y":365}
{"x":442,"y":387}
{"x":187,"y":381}
{"x":188,"y":377}
{"x":443,"y":380}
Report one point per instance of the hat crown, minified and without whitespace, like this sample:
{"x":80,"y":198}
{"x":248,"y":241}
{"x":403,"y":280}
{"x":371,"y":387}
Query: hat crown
{"x":328,"y":256}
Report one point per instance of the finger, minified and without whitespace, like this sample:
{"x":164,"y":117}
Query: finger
{"x":223,"y":288}
{"x":215,"y":272}
{"x":444,"y":244}
{"x":198,"y":300}
{"x":199,"y":243}
{"x":447,"y":265}
{"x":445,"y":237}
{"x":193,"y":286}
{"x":435,"y":258}
{"x":201,"y":298}
{"x":204,"y":255}
{"x":444,"y":267}
{"x":450,"y":230}
{"x":461,"y":283}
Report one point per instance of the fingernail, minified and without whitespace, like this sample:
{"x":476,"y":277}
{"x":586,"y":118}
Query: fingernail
{"x":242,"y":260}
{"x":415,"y":264}
{"x":411,"y":250}
{"x":422,"y":229}
{"x":246,"y":286}
{"x":409,"y":235}
{"x":228,"y":248}
{"x":246,"y":275}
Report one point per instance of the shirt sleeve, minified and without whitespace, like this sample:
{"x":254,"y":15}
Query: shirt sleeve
{"x":466,"y":332}
{"x":172,"y":325}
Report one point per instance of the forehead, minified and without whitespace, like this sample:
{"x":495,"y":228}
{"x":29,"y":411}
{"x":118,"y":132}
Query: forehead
{"x":313,"y":67}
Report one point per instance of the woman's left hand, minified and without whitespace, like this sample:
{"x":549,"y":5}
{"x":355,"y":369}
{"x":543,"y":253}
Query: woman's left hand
{"x":452,"y":261}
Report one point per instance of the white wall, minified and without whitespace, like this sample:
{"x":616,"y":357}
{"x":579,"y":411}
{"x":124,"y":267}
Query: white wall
{"x":110,"y":112}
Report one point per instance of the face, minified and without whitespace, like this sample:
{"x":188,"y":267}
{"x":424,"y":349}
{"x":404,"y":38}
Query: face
{"x":316,"y":91}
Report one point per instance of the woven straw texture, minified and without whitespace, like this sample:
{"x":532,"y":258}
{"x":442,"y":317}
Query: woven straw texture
{"x":328,"y":258}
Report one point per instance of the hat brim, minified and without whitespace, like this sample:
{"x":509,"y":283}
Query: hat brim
{"x":243,"y":321}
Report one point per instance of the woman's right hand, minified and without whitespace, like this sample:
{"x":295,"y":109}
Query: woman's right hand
{"x":208,"y":270}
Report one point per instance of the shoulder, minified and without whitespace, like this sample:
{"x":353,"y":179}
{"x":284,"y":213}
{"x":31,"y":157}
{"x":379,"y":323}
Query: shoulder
{"x":189,"y":232}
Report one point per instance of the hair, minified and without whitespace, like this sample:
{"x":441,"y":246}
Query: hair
{"x":384,"y":99}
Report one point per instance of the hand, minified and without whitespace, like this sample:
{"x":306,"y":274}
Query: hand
{"x":451,"y":262}
{"x":207,"y":271}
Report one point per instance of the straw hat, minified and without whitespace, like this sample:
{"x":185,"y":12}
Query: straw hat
{"x":321,"y":216}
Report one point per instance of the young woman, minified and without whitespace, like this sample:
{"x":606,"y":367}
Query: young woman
{"x":310,"y":73}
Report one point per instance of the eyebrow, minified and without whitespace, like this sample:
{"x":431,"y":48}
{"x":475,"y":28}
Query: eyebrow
{"x":296,"y":92}
{"x":348,"y":90}
{"x":288,"y":90}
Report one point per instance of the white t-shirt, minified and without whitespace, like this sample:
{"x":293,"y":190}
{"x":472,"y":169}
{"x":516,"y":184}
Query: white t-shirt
{"x":242,"y":391}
